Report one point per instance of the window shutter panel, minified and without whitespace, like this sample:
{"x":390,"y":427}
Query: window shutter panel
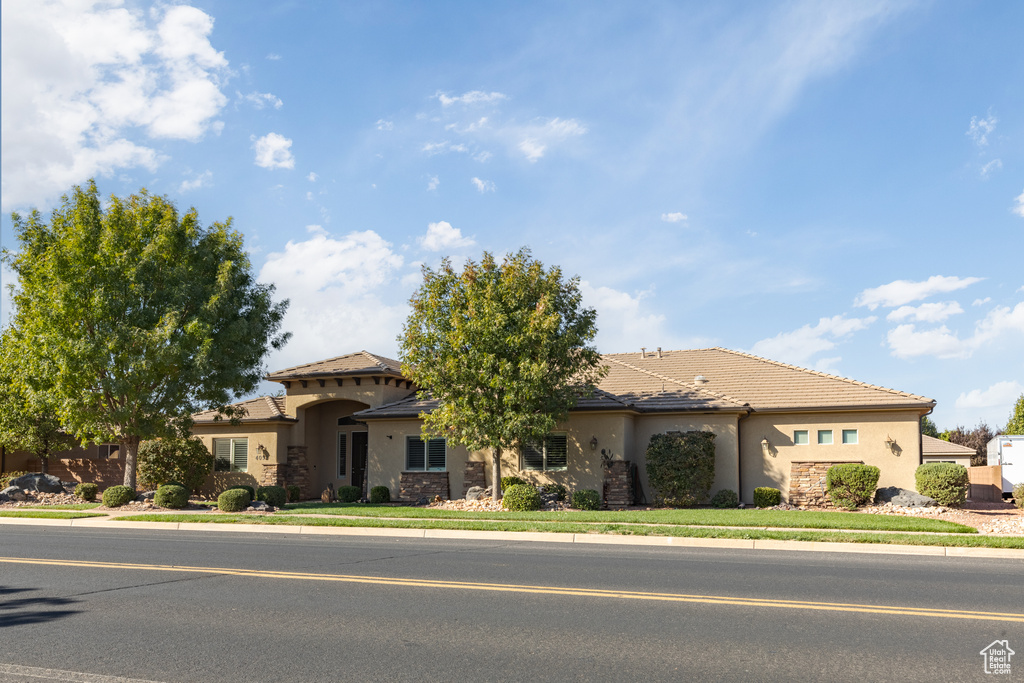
{"x":415,"y":453}
{"x":222,"y":455}
{"x":342,"y":455}
{"x":436,"y":454}
{"x":557,"y":448}
{"x":533,"y":457}
{"x":241,"y":453}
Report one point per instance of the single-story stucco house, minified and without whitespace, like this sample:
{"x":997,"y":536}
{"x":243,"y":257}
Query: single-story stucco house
{"x":354,"y":420}
{"x":937,"y":450}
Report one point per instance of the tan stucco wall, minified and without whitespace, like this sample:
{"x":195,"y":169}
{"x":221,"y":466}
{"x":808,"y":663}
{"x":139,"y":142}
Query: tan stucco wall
{"x":964,"y":460}
{"x":722,"y":425}
{"x":369,"y":394}
{"x":872,"y":429}
{"x":268,"y":443}
{"x":386,"y":456}
{"x":320,"y":422}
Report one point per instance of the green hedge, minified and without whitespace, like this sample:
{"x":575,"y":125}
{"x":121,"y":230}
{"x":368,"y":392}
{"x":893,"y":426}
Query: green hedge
{"x":681,"y":467}
{"x":851,"y":485}
{"x":185,"y":462}
{"x":116,"y":496}
{"x":946,"y":482}
{"x":521,"y":498}
{"x":586,"y":499}
{"x":294,"y":493}
{"x":726,"y":498}
{"x":244,"y":487}
{"x":766,"y":497}
{"x":1018,"y":495}
{"x":234,"y":500}
{"x":272,"y":495}
{"x":558,"y":489}
{"x":507,"y":482}
{"x":349,"y":494}
{"x":380,"y":494}
{"x":171,"y":496}
{"x":87,"y":492}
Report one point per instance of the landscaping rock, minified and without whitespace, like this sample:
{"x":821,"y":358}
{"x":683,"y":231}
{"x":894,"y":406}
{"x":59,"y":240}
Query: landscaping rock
{"x":146,"y":495}
{"x":44,"y":483}
{"x":423,"y":501}
{"x":474,"y":493}
{"x":261,"y":506}
{"x":898,"y":496}
{"x":12,"y":493}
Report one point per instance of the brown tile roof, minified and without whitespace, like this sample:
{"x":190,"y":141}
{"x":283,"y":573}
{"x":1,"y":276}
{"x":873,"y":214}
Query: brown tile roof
{"x":932,"y":446}
{"x":262,"y":409}
{"x":359,"y":363}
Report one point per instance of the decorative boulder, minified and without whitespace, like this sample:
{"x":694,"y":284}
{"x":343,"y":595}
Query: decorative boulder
{"x":903,"y":497}
{"x":261,"y":506}
{"x":146,"y":495}
{"x":43,"y":483}
{"x":474,"y":493}
{"x":10,"y":492}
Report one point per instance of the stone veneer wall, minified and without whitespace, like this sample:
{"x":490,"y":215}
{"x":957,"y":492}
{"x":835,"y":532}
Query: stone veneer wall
{"x":618,"y":484}
{"x":474,"y":476}
{"x":416,"y":485}
{"x":297,"y":471}
{"x":273,"y":474}
{"x":807,"y":483}
{"x":105,"y":472}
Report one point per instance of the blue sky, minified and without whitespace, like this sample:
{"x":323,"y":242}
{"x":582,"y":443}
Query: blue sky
{"x":838,"y":185}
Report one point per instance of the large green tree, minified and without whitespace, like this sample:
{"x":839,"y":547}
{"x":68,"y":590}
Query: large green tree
{"x":1015,"y":425}
{"x":976,"y":438}
{"x":928,"y":427}
{"x":136,"y":316}
{"x":505,"y":348}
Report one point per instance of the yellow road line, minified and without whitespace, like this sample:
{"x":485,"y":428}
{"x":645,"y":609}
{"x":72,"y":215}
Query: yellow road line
{"x":546,"y":590}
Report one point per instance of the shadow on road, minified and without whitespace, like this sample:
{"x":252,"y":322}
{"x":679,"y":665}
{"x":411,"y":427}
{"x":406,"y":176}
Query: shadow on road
{"x":31,"y":610}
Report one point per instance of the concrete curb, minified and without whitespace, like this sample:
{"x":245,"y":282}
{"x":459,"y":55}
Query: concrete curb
{"x":534,"y":536}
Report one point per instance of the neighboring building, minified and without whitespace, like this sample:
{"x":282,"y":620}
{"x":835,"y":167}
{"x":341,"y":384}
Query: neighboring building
{"x":353,"y":420}
{"x":937,"y":450}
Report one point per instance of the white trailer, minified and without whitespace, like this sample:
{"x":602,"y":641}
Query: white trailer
{"x":1008,"y":450}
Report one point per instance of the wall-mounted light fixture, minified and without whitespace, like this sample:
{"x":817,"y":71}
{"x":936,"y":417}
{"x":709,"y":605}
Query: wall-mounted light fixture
{"x":388,"y":435}
{"x":766,"y":448}
{"x":593,"y":444}
{"x":891,"y":444}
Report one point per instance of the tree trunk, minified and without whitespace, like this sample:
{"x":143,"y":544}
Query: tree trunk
{"x":130,"y":448}
{"x":44,"y":464}
{"x":495,"y":474}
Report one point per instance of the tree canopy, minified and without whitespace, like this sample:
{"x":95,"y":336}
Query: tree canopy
{"x":134,"y":316}
{"x":1015,"y":425}
{"x":976,"y":438}
{"x":504,"y":348}
{"x":928,"y":427}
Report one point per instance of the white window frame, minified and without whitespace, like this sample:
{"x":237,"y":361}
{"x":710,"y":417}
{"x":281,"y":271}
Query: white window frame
{"x":856,"y":437}
{"x":807,"y":437}
{"x":823,"y":433}
{"x":434,"y":454}
{"x":544,"y":451}
{"x":108,"y":450}
{"x":343,"y":452}
{"x":234,"y":444}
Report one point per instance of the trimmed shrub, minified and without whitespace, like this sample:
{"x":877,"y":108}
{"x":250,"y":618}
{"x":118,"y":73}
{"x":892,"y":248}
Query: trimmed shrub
{"x":349,"y":494}
{"x":171,"y":496}
{"x":87,"y":492}
{"x":557,"y":489}
{"x":1018,"y":495}
{"x":272,"y":495}
{"x":766,"y":497}
{"x":6,"y":477}
{"x":726,"y":498}
{"x":184,"y":462}
{"x":851,"y":485}
{"x":521,"y":498}
{"x":294,"y":493}
{"x":946,"y":482}
{"x":380,"y":494}
{"x":234,"y":500}
{"x":586,"y":499}
{"x":116,"y":496}
{"x":507,"y":482}
{"x":244,"y":487}
{"x":681,"y":467}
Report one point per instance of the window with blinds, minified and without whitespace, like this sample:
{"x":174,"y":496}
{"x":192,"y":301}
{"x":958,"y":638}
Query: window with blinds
{"x":550,"y":454}
{"x":342,"y":455}
{"x":231,"y":455}
{"x":425,"y":455}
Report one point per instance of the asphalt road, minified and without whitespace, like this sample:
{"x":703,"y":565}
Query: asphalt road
{"x":337,"y":608}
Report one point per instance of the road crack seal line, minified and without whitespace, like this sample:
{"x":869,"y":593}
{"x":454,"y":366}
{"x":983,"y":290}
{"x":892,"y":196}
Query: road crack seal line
{"x":546,"y":590}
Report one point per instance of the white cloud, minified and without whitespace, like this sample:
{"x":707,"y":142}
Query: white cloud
{"x":273,"y":56}
{"x":84,"y":83}
{"x":385,"y":125}
{"x":433,"y":183}
{"x":6,"y":304}
{"x":673,"y":217}
{"x":341,"y":295}
{"x":312,"y":177}
{"x":262,"y":99}
{"x":200,"y":180}
{"x":901,"y":292}
{"x":273,"y":151}
{"x":980,"y":128}
{"x":905,"y":341}
{"x":990,"y":168}
{"x":981,"y":302}
{"x":471,"y":97}
{"x":442,"y":235}
{"x":926,"y":313}
{"x":1019,"y":209}
{"x":797,"y":347}
{"x":625,"y":321}
{"x":482,"y":185}
{"x":999,"y":394}
{"x":536,"y":138}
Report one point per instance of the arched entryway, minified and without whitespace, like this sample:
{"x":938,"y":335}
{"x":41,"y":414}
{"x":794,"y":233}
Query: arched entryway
{"x":336,"y":445}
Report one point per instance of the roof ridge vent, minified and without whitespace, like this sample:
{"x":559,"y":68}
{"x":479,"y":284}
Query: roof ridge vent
{"x":700,"y":380}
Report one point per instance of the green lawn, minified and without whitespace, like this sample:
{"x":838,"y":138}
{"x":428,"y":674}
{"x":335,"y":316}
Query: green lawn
{"x":49,"y":514}
{"x":69,"y":506}
{"x":975,"y":541}
{"x":795,"y":519}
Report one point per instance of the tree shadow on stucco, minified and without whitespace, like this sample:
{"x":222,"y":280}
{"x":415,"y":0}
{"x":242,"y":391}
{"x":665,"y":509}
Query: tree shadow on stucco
{"x":32,"y":609}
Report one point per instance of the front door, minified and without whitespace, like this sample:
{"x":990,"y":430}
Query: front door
{"x":359,"y":450}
